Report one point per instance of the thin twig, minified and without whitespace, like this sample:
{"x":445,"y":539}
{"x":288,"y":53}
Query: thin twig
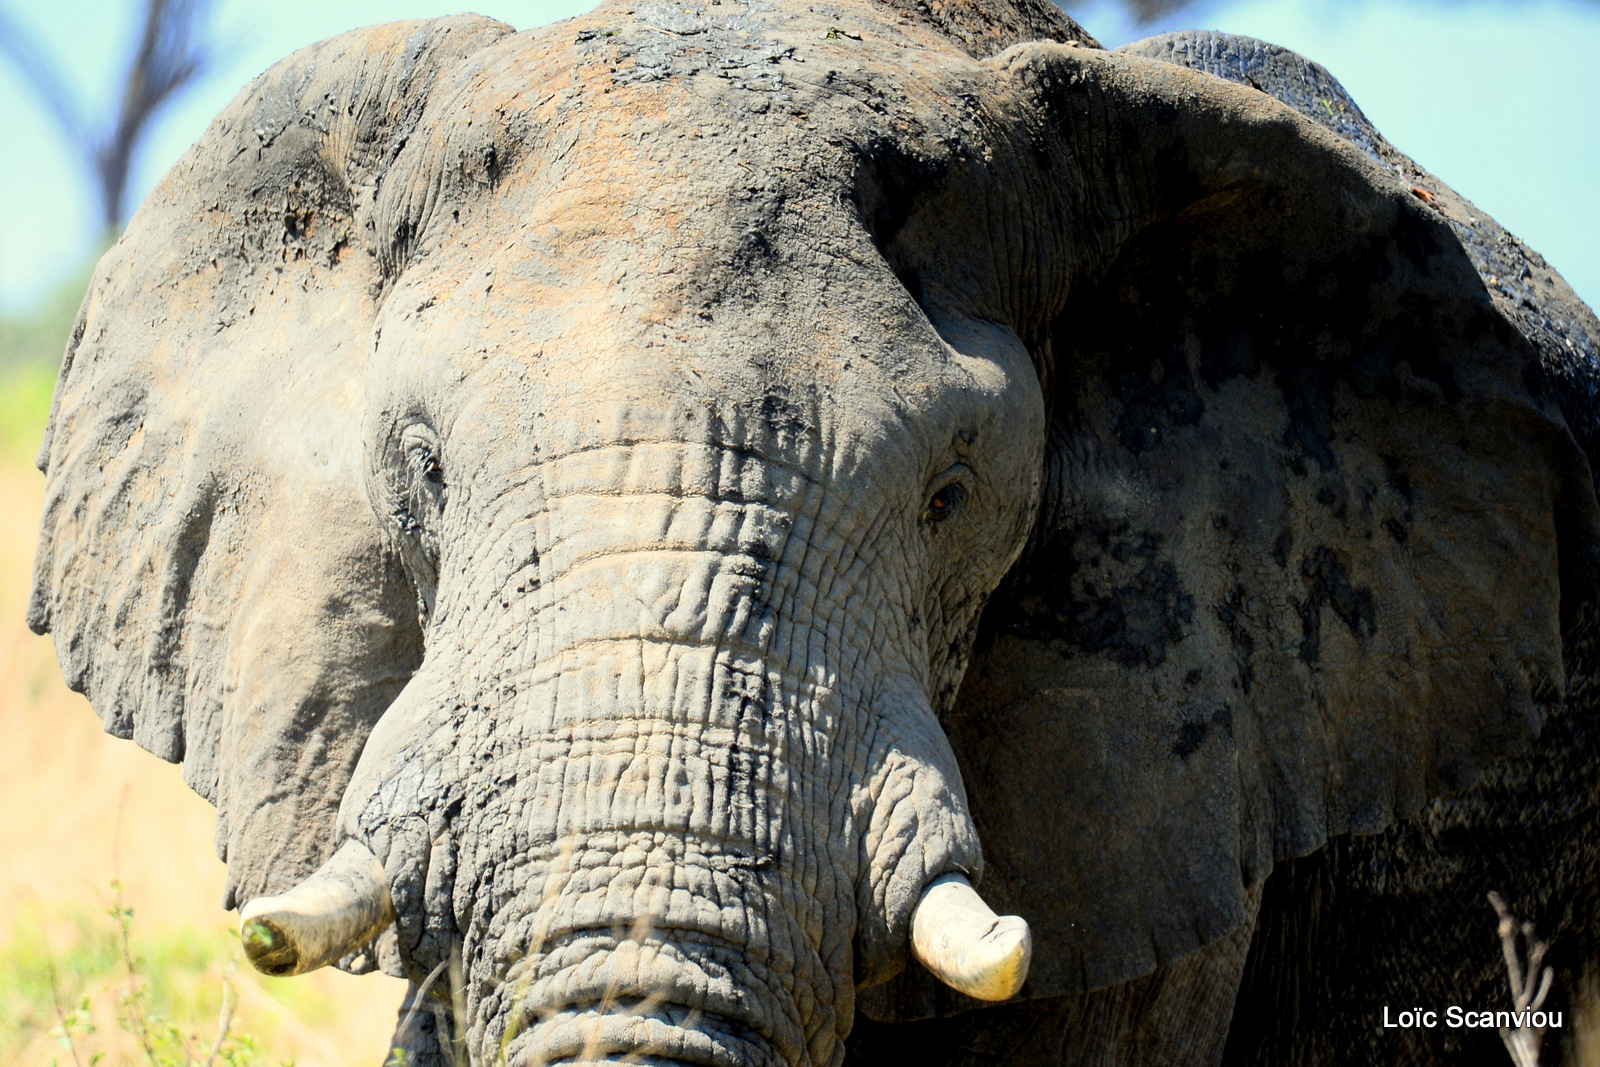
{"x":124,"y":919}
{"x":1530,"y":984}
{"x":224,"y":1014}
{"x":422,"y":991}
{"x":458,"y":1008}
{"x":136,"y":1019}
{"x":559,"y":876}
{"x":61,"y":1015}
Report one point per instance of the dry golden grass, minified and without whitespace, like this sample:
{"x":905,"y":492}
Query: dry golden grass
{"x":80,"y":808}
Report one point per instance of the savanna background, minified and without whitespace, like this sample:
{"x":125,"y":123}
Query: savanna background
{"x":113,"y":947}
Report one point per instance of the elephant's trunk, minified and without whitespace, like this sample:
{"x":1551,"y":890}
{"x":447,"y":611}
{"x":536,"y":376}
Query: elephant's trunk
{"x":669,"y":781}
{"x":654,"y":995}
{"x":664,"y":887}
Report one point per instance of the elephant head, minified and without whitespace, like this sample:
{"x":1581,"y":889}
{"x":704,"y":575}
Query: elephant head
{"x":632,"y":503}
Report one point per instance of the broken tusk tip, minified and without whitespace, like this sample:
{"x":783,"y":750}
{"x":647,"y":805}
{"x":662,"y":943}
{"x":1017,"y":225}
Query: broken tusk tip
{"x":268,"y":947}
{"x":966,"y":945}
{"x":1007,"y":970}
{"x":260,"y":937}
{"x":341,"y":907}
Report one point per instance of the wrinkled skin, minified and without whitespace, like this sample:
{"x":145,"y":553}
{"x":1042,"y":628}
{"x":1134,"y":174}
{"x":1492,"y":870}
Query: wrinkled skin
{"x":671,"y":483}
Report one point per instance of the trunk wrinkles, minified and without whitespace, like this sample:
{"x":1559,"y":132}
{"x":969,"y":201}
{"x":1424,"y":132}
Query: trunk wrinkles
{"x":650,"y":836}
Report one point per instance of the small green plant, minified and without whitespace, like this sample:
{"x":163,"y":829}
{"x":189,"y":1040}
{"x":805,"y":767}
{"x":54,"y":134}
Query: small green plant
{"x":78,"y":1021}
{"x":102,"y":975}
{"x":164,"y":1042}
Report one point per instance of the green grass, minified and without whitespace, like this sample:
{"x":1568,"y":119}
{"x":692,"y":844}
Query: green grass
{"x":173,"y":997}
{"x":25,"y":390}
{"x":31,"y":345}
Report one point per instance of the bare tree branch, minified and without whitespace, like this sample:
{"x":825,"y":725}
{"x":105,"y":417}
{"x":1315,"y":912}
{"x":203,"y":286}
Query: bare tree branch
{"x":1530,"y":983}
{"x":1148,"y":11}
{"x":166,"y":59}
{"x":170,"y":53}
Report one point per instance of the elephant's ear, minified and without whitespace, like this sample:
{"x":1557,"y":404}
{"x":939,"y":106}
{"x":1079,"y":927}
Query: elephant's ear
{"x":217,"y":583}
{"x":1311,"y":517}
{"x":1525,"y":288}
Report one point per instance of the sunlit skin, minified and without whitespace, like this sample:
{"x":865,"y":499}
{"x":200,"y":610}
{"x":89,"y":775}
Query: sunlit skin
{"x":683,"y":531}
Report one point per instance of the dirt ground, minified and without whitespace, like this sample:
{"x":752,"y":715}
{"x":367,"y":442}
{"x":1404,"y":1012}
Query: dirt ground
{"x":78,"y":809}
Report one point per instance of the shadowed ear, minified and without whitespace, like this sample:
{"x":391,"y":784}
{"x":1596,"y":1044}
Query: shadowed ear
{"x":216,"y":580}
{"x":1311,"y":517}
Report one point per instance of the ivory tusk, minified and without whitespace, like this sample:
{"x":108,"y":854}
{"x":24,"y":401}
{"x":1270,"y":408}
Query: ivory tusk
{"x":338,"y":909}
{"x":965,"y":944}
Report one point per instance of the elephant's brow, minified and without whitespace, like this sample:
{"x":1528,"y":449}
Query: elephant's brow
{"x":849,"y":648}
{"x":531,"y":468}
{"x":786,"y":688}
{"x":673,"y":493}
{"x":722,"y":643}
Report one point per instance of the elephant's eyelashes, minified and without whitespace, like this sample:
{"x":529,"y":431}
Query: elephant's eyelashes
{"x":428,"y":465}
{"x":946,"y":501}
{"x":420,"y":447}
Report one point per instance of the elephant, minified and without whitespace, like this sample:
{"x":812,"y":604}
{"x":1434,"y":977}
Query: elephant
{"x":759,"y":533}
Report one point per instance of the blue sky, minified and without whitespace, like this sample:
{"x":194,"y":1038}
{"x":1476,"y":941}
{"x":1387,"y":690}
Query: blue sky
{"x":1500,"y":98}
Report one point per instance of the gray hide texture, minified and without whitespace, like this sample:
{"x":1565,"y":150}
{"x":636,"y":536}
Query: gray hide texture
{"x":209,"y":563}
{"x":1390,"y":918}
{"x":602,"y":387}
{"x":1259,"y":608}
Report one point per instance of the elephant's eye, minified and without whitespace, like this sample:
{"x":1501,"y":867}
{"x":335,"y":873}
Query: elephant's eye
{"x":946,"y":502}
{"x":427,"y":464}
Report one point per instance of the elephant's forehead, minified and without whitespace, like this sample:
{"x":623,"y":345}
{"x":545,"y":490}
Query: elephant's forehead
{"x":583,"y":295}
{"x":632,"y":120}
{"x":671,"y":228}
{"x":735,"y":382}
{"x":757,"y":47}
{"x":632,"y":216}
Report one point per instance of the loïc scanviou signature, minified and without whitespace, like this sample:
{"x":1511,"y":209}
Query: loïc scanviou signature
{"x":1458,"y":1018}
